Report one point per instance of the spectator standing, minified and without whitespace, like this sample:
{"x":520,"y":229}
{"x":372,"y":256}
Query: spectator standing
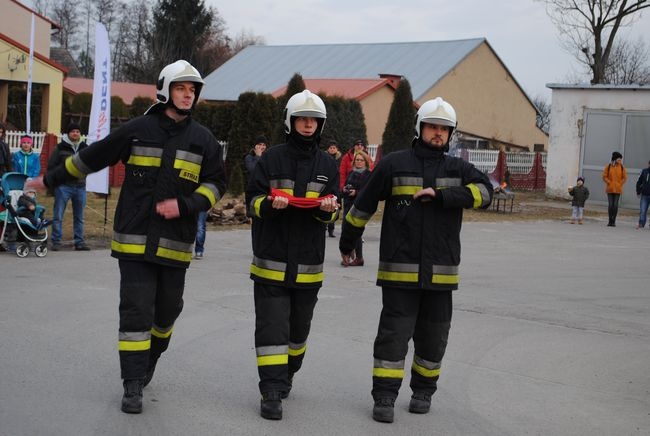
{"x":250,"y":160}
{"x":199,"y":241}
{"x":5,"y":153}
{"x":174,"y":170}
{"x":290,"y":199}
{"x":73,"y":190}
{"x":334,"y":153}
{"x":643,"y":192}
{"x":425,"y":192}
{"x":614,"y":176}
{"x":25,"y":160}
{"x":580,"y":194}
{"x":347,"y":161}
{"x":357,"y":179}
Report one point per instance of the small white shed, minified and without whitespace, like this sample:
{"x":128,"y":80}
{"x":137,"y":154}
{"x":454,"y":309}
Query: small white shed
{"x":588,"y":123}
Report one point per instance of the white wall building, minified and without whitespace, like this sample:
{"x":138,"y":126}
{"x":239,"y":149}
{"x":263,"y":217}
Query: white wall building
{"x":588,"y":123}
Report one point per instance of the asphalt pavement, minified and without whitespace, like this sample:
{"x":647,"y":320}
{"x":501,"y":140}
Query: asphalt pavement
{"x":550,"y":336}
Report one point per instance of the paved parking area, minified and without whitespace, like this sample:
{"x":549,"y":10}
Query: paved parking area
{"x":550,"y":335}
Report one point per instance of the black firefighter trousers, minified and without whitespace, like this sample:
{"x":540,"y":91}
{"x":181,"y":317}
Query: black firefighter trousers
{"x":282,"y":322}
{"x":151,"y":298}
{"x":423,"y":315}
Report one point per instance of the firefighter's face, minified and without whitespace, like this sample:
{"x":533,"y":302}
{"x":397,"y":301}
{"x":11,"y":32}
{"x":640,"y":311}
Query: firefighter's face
{"x":182,"y":94}
{"x":435,"y":134}
{"x":306,"y":126}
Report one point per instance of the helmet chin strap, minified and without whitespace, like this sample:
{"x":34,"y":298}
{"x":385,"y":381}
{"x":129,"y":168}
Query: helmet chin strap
{"x":185,"y":112}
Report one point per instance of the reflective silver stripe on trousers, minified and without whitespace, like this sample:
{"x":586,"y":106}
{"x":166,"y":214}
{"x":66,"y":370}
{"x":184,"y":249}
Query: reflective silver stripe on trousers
{"x":271,"y":350}
{"x":134,"y":336}
{"x":388,"y":364}
{"x":295,"y":346}
{"x":426,"y":363}
{"x":162,"y":329}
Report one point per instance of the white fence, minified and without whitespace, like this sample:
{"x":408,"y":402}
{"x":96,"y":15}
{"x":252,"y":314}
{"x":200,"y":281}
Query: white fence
{"x":518,"y":163}
{"x":483,"y":160}
{"x":372,"y":151}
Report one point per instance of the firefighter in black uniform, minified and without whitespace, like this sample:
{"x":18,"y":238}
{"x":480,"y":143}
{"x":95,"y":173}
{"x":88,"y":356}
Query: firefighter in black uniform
{"x":425,"y":192}
{"x":289,"y":244}
{"x":174,"y":170}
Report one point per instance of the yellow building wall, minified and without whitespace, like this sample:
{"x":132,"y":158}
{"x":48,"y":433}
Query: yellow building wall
{"x":376,"y":108}
{"x":42,"y":73}
{"x":488,"y":102}
{"x":15,"y":22}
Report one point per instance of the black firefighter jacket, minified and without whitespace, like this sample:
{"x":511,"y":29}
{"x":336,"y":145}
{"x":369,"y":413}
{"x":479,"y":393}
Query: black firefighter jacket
{"x":420,"y":239}
{"x":163,"y":159}
{"x":289,"y":244}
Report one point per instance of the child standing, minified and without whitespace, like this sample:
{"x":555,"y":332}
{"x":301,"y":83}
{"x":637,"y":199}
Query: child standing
{"x":580,"y":194}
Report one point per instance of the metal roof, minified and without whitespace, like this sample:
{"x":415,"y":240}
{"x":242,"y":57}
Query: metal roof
{"x":267,"y":68}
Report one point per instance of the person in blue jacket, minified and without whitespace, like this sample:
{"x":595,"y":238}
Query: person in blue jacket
{"x":25,"y":160}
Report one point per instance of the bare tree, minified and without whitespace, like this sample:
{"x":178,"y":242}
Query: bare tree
{"x":65,"y":14}
{"x":628,"y":63}
{"x":543,"y":112}
{"x":243,"y":39}
{"x":589,"y":28}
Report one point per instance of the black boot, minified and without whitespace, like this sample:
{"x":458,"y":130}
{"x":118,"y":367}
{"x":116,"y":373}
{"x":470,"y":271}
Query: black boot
{"x":383,"y":410}
{"x":271,"y":405}
{"x":420,"y":402}
{"x":149,"y":375}
{"x":285,"y":394}
{"x":132,"y":399}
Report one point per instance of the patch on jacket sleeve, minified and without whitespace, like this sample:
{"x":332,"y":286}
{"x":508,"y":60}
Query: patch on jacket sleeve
{"x":322,"y":178}
{"x":188,"y":175}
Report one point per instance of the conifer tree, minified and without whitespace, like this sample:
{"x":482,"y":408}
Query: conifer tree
{"x":399,"y":130}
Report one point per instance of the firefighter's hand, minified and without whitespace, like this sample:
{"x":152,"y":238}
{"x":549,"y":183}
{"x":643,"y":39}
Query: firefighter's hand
{"x":329,"y":204}
{"x":279,"y":202}
{"x":426,"y":194}
{"x":168,"y":208}
{"x":35,"y":183}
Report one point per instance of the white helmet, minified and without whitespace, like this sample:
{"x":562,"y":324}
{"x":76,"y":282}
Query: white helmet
{"x":436,"y":111}
{"x":305,"y":104}
{"x":179,"y":71}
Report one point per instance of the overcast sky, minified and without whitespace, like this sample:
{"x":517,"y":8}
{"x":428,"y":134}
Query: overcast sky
{"x":519,"y":31}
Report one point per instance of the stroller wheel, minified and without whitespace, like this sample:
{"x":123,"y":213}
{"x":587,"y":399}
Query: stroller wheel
{"x":41,"y":250}
{"x":22,"y":250}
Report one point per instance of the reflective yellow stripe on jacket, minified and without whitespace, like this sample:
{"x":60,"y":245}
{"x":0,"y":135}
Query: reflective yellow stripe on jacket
{"x":406,"y":185}
{"x":268,"y":269}
{"x":398,"y":272}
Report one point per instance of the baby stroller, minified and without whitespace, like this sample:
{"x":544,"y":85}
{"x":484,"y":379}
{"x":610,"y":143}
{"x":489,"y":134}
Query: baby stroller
{"x":16,"y":230}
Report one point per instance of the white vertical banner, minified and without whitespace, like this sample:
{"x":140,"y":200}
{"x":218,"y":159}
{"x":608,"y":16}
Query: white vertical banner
{"x":100,"y":112}
{"x":28,"y":118}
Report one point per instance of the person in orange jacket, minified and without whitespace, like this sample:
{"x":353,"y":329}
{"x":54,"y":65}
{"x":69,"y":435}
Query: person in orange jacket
{"x":614,"y":176}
